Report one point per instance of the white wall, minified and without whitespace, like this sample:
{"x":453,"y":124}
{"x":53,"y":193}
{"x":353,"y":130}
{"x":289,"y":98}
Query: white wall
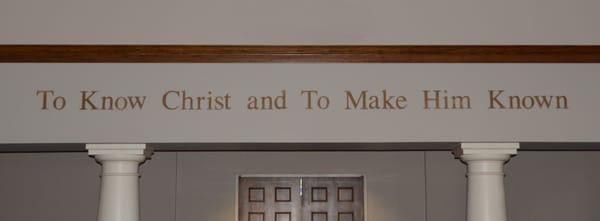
{"x":64,"y":186}
{"x":299,"y":22}
{"x":24,"y":121}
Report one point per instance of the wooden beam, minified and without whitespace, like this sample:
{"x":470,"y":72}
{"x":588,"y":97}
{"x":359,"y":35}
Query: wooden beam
{"x":300,"y":54}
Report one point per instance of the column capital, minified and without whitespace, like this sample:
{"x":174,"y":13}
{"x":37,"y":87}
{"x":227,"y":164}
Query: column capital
{"x":119,"y":150}
{"x":485,"y":149}
{"x":119,"y":192}
{"x":485,"y":163}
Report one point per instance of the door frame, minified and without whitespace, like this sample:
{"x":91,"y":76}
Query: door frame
{"x":259,"y":175}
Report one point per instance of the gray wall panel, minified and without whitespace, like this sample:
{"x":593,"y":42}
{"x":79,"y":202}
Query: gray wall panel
{"x":395,"y":184}
{"x":549,"y":186}
{"x":554,"y":186}
{"x":157,"y":187}
{"x":65,"y":186}
{"x":446,"y":187}
{"x":51,"y":186}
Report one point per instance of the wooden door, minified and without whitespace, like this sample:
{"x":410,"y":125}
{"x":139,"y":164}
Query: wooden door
{"x":301,"y":199}
{"x":333,"y":199}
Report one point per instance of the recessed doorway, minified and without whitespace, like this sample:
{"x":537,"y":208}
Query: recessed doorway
{"x":302,"y":198}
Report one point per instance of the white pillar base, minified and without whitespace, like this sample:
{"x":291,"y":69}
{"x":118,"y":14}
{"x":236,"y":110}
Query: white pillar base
{"x":486,"y":200}
{"x":119,"y":194}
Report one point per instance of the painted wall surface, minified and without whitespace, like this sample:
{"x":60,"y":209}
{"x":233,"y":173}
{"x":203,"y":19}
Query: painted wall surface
{"x":407,"y":186}
{"x":299,"y":22}
{"x":24,"y":119}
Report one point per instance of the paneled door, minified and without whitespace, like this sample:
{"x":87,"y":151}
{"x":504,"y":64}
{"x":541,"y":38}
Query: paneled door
{"x":301,"y":199}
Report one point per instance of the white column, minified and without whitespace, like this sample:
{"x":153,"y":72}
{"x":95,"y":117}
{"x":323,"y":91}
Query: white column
{"x":486,"y":200}
{"x":119,"y":193}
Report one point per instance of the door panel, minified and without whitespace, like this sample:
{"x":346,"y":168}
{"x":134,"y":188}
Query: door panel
{"x":336,"y":198}
{"x":269,"y":199}
{"x":301,"y":199}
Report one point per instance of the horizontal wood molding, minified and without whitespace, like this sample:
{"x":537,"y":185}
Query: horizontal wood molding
{"x":298,"y":54}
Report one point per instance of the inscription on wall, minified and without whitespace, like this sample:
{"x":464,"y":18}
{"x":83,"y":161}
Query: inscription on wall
{"x":312,"y":100}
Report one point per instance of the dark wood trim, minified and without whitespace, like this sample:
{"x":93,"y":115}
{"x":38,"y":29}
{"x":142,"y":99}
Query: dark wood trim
{"x":41,"y":147}
{"x":288,"y":213}
{"x":256,"y":213}
{"x":250,"y":194}
{"x":312,"y":215}
{"x":340,"y":215}
{"x":312,"y":194}
{"x":289,"y":189}
{"x":404,"y":146}
{"x":345,"y":188}
{"x":298,"y":54}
